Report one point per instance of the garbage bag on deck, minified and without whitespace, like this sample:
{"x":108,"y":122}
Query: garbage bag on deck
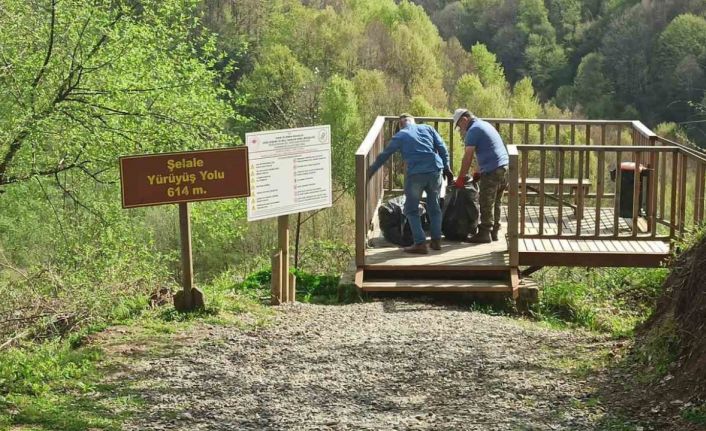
{"x":461,"y":211}
{"x":393,"y":222}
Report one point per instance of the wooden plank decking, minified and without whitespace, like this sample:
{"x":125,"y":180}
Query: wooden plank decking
{"x":569,"y":222}
{"x":570,"y":251}
{"x":595,"y":253}
{"x":453,"y":255}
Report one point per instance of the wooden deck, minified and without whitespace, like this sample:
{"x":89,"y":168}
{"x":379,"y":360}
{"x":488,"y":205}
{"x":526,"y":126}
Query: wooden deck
{"x":569,"y":222}
{"x":567,"y":166}
{"x":567,"y":250}
{"x":453,"y":255}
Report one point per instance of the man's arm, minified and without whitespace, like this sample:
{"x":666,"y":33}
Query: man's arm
{"x":470,"y":139}
{"x":393,"y":146}
{"x":440,"y":147}
{"x":467,"y":161}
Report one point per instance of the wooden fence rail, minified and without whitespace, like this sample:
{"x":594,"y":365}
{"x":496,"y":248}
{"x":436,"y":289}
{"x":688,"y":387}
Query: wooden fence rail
{"x":602,"y":188}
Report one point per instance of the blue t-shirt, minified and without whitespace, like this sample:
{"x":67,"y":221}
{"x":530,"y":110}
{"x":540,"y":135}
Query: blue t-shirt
{"x":490,"y":149}
{"x":422,"y":149}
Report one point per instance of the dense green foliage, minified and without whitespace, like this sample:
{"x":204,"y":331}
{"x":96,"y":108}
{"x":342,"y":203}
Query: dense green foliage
{"x":82,"y":83}
{"x":607,"y":300}
{"x":85,"y":82}
{"x":646,"y":58}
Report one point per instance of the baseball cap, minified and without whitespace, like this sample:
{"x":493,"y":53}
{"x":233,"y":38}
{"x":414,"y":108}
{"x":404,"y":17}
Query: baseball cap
{"x":458,"y":114}
{"x":405,"y":115}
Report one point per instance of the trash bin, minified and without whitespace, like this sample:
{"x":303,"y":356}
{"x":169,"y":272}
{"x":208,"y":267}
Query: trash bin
{"x":627,"y":180}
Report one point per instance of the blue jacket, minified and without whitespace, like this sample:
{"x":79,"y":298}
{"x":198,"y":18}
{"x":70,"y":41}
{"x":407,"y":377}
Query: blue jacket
{"x":422,"y":149}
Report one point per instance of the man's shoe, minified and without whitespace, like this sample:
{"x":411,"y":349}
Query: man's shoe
{"x":417,"y":249}
{"x":435,"y":244}
{"x":494,"y":233}
{"x":482,"y":237}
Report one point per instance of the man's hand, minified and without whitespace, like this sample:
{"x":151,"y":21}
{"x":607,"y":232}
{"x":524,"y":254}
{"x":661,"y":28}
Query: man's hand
{"x":476,"y":176}
{"x":448,"y":175}
{"x":460,"y":182}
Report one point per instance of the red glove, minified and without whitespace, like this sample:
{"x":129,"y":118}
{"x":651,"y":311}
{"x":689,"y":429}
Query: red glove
{"x":476,"y":176}
{"x":460,"y":182}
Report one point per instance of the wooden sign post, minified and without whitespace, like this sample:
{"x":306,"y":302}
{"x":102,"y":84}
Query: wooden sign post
{"x":189,"y":298}
{"x":181,"y":178}
{"x":290,"y":172}
{"x":283,"y":241}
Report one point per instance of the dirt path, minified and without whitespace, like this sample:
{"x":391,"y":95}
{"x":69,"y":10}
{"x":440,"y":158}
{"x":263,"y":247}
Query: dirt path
{"x":384,"y":365}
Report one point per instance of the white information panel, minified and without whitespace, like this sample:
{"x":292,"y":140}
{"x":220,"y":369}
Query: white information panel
{"x":290,"y":171}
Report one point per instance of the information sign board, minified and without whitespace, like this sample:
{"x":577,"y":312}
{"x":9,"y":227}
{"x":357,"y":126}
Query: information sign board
{"x":290,"y":171}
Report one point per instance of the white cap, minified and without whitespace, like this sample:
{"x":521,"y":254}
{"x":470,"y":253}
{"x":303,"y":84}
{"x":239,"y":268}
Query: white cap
{"x":458,"y":114}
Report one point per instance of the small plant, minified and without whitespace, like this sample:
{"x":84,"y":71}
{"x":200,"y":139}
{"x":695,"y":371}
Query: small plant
{"x":695,"y":415}
{"x":315,"y":288}
{"x":658,"y":350}
{"x":311,"y":288}
{"x":495,"y":307}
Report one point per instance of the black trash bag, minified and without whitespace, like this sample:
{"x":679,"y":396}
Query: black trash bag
{"x":393,"y":222}
{"x":461,"y":211}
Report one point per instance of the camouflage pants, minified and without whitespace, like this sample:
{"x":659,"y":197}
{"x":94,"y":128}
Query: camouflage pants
{"x":492,"y":187}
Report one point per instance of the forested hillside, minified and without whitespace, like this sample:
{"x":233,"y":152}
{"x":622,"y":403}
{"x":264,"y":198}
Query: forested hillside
{"x":85,"y":82}
{"x":599,"y":58}
{"x":82,"y":83}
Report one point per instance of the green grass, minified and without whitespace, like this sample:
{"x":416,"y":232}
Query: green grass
{"x":495,"y":307}
{"x":59,"y":384}
{"x":695,"y":415}
{"x":311,"y":288}
{"x":57,"y":387}
{"x":657,"y":351}
{"x":618,"y":423}
{"x":612,"y":301}
{"x":585,"y":363}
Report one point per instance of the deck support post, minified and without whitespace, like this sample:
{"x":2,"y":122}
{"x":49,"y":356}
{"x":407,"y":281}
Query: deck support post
{"x":513,"y":206}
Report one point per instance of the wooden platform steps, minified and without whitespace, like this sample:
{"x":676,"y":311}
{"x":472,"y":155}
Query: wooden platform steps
{"x":497,"y":286}
{"x":468,"y":280}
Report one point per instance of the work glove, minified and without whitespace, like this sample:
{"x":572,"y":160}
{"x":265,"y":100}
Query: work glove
{"x":460,"y":182}
{"x":448,"y":175}
{"x":476,"y":176}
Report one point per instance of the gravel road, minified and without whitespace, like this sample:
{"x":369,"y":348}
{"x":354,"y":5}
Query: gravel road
{"x":385,"y":365}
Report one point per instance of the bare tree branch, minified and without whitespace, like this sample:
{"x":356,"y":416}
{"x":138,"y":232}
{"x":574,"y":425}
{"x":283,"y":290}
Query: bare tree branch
{"x":79,"y":91}
{"x":72,"y":80}
{"x":50,"y":46}
{"x":51,"y":204}
{"x":343,"y":193}
{"x":76,"y":200}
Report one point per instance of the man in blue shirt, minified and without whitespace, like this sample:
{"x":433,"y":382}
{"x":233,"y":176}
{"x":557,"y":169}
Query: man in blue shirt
{"x":481,"y":138}
{"x":426,"y":157}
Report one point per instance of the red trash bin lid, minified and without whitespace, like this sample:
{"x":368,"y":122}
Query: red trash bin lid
{"x":630,"y":166}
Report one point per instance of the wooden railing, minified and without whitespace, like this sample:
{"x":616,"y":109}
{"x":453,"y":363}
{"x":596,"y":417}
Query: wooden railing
{"x":593,"y":190}
{"x":369,"y":191}
{"x":563,"y":151}
{"x":681,"y":196}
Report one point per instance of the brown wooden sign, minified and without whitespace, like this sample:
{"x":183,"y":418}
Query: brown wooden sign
{"x":168,"y":178}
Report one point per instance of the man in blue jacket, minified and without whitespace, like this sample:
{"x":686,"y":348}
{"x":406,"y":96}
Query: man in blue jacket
{"x":426,"y":157}
{"x":481,"y":138}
